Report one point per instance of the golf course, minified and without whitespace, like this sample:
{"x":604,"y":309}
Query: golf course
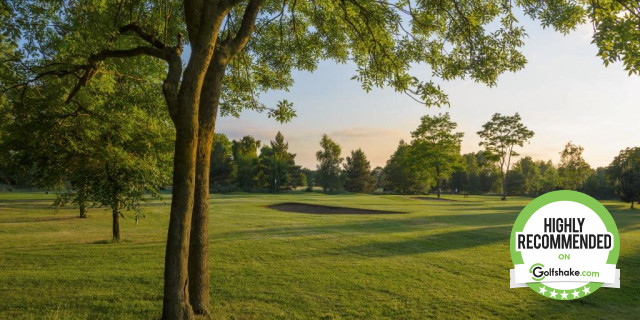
{"x":424,"y":258}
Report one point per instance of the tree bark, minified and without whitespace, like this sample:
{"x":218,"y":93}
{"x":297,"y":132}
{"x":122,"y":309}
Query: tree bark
{"x":115,"y":213}
{"x":176,"y":304}
{"x":176,"y":296}
{"x":199,"y":241}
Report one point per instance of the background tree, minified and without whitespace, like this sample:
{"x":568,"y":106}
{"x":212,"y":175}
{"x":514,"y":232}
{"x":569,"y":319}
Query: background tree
{"x":436,"y":146}
{"x":377,"y":173}
{"x":550,"y":179}
{"x":310,"y":178}
{"x":524,"y":178}
{"x":597,"y":185}
{"x":357,"y":171}
{"x":328,"y":171}
{"x":278,"y":166}
{"x":477,"y":174}
{"x":223,"y":167}
{"x":573,"y":169}
{"x":624,"y":174}
{"x":245,"y":154}
{"x":500,"y":136}
{"x":400,"y":175}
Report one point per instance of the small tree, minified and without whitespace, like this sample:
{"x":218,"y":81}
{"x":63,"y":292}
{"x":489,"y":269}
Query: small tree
{"x":500,"y":136}
{"x":401,"y":176}
{"x":377,"y":173}
{"x":278,"y":167}
{"x":436,"y":147}
{"x":245,"y":154}
{"x":624,"y":173}
{"x":573,"y":169}
{"x":111,"y":152}
{"x":328,"y":172}
{"x":358,"y":173}
{"x":550,"y":179}
{"x":223,"y":168}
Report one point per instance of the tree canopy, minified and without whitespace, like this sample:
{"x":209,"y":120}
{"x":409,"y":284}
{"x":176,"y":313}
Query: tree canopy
{"x":436,"y":147}
{"x":624,"y":172}
{"x":500,"y":136}
{"x":329,"y":161}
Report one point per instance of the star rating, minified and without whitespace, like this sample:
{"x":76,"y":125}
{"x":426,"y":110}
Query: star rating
{"x":564,"y":295}
{"x":543,"y":290}
{"x":586,"y":290}
{"x":576,"y":293}
{"x":553,"y":293}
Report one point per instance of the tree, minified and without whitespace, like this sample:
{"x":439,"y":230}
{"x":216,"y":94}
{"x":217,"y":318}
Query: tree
{"x":524,"y":178}
{"x":112,"y":152}
{"x":377,"y":173}
{"x":223,"y":168}
{"x":245,"y":154}
{"x":573,"y":169}
{"x":624,"y":174}
{"x":500,"y":136}
{"x":358,"y":173}
{"x":309,"y":178}
{"x":597,"y":185}
{"x":436,"y":146}
{"x":550,"y":180}
{"x":242,"y":48}
{"x":401,"y":176}
{"x":278,"y":166}
{"x":328,"y":171}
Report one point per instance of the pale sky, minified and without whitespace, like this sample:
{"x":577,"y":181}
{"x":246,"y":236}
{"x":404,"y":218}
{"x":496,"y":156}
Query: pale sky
{"x":563,"y":94}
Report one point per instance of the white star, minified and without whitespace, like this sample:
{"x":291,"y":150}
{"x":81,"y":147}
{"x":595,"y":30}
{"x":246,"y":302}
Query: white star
{"x":542,"y":290}
{"x":564,"y":295}
{"x":553,"y":294}
{"x":586,"y":290}
{"x":576,"y":293}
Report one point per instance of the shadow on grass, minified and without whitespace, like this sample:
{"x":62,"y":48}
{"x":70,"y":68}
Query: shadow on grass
{"x":462,"y":239}
{"x":381,"y":225}
{"x":39,"y":219}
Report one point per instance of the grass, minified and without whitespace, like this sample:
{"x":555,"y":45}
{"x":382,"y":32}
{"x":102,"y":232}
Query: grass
{"x":442,"y":259}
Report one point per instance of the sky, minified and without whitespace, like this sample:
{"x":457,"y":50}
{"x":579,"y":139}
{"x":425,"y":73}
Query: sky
{"x":563,"y":94}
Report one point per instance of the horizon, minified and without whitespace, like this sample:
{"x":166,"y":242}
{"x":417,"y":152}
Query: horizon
{"x":563,"y":78}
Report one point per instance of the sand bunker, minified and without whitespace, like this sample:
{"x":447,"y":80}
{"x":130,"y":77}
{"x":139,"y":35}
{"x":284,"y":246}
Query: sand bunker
{"x":319,"y":209}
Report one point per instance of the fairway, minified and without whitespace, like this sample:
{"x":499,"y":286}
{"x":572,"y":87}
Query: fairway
{"x":442,"y":259}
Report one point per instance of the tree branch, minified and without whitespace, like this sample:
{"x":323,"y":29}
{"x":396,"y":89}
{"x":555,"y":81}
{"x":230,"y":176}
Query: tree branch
{"x":246,"y":27}
{"x":135,"y":28}
{"x":92,"y":67}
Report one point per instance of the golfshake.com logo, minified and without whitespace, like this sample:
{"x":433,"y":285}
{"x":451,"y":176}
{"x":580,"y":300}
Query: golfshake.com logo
{"x":539,"y":273}
{"x":564,"y":246}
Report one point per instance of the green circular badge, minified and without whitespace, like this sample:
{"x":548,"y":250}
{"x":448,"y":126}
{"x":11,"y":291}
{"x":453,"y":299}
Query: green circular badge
{"x":565,"y":246}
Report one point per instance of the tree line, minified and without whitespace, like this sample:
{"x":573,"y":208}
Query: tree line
{"x":432,"y":163}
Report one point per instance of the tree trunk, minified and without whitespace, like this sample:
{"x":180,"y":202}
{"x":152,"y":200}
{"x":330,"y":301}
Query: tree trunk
{"x":176,"y":296}
{"x":438,"y":187}
{"x":631,"y":204}
{"x":504,"y":189}
{"x":116,"y":223}
{"x":199,"y":242}
{"x":83,"y":210}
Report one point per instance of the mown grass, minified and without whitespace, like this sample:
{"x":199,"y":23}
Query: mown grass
{"x":443,"y":259}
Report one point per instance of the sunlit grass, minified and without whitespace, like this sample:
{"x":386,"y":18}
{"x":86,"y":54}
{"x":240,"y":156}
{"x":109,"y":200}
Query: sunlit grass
{"x":441,"y":259}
